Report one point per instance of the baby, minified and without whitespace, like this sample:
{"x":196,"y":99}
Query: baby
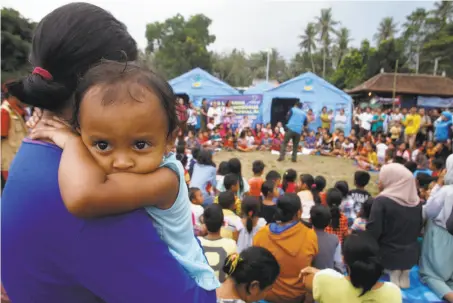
{"x":126,"y":122}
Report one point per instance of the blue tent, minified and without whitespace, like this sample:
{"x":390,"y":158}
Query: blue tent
{"x":259,"y":88}
{"x":313,"y":92}
{"x":198,"y":83}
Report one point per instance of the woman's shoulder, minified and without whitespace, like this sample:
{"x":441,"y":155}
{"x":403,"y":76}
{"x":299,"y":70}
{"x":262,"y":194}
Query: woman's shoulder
{"x":388,"y":292}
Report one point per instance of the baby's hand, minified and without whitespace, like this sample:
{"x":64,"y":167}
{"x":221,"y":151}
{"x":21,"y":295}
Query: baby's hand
{"x":54,"y":130}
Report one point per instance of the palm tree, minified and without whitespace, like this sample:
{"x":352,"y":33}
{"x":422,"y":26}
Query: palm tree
{"x":325,"y":25}
{"x":415,"y":31}
{"x":343,"y":38}
{"x":308,"y":42}
{"x":386,"y":30}
{"x":444,"y":11}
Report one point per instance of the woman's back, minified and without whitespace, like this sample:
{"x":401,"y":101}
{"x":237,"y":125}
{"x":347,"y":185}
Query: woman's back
{"x":51,"y":256}
{"x":396,"y":228}
{"x":330,"y":286}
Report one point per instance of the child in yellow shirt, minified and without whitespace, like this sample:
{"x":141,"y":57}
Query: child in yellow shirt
{"x":231,"y":183}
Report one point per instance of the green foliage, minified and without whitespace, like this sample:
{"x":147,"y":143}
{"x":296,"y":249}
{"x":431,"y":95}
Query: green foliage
{"x":179,"y":45}
{"x":16,"y":34}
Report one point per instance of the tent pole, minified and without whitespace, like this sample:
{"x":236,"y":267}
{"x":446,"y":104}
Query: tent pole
{"x":394,"y":84}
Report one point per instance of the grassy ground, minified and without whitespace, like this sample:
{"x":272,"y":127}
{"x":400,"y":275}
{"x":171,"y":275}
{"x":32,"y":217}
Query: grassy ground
{"x":333,"y":169}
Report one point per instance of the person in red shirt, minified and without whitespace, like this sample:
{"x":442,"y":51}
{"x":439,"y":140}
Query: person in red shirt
{"x":257,"y":181}
{"x":289,"y":181}
{"x":13,"y":129}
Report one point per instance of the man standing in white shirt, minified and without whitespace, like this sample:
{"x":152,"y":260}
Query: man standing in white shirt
{"x":215,"y":113}
{"x":365,"y":121}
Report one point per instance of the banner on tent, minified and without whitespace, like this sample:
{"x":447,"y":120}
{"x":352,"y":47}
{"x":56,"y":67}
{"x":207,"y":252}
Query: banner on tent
{"x":243,"y":105}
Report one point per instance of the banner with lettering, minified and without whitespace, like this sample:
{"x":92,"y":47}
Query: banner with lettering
{"x":243,"y":105}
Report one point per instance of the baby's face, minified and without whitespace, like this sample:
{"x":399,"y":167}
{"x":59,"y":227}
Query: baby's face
{"x":126,"y":135}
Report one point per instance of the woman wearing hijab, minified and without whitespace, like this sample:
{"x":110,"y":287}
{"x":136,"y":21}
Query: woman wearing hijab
{"x":436,"y":263}
{"x":395,"y":222}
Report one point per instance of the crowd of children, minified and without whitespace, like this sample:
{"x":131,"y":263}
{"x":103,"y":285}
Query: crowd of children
{"x":230,"y":224}
{"x":377,"y":137}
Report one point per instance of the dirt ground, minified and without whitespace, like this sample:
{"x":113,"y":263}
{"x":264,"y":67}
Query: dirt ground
{"x":333,"y":169}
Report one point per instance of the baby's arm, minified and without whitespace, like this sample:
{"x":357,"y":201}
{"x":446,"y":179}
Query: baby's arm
{"x":88,"y":192}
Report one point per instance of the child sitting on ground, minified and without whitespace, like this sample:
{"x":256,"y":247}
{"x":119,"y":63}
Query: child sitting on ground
{"x":329,"y":247}
{"x":233,"y":223}
{"x":256,"y":181}
{"x":364,"y":214}
{"x":347,"y":203}
{"x":216,"y":247}
{"x":231,"y":183}
{"x":196,"y":198}
{"x":275,"y":177}
{"x":339,"y":224}
{"x":251,"y":221}
{"x":121,"y":161}
{"x":268,"y":207}
{"x":359,"y":195}
{"x":289,"y":181}
{"x":320,"y":185}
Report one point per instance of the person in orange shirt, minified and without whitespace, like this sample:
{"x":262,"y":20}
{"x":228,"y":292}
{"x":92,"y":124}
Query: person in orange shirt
{"x":257,"y":181}
{"x":13,"y":129}
{"x":294,"y":246}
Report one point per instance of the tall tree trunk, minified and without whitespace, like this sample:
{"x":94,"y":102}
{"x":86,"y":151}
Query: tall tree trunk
{"x":324,"y":62}
{"x":418,"y":59}
{"x":312,"y":63}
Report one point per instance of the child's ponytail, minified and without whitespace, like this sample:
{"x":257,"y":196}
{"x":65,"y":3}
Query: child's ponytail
{"x":334,"y":197}
{"x":250,"y":209}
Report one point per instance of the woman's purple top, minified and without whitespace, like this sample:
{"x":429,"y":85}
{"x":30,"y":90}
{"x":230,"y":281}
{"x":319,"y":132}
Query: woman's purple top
{"x":48,"y":255}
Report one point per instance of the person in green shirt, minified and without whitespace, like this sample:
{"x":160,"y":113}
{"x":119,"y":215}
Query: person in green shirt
{"x":360,"y":253}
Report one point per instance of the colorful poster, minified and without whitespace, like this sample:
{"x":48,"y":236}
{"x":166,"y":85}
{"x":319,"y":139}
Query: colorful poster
{"x":243,"y":105}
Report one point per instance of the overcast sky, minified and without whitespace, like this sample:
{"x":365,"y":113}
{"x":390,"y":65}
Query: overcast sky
{"x":251,"y":25}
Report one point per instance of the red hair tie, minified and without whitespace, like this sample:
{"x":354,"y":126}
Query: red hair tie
{"x":313,"y":186}
{"x":42,"y":72}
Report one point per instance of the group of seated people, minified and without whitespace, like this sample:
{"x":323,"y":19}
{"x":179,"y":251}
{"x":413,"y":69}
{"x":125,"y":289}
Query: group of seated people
{"x":284,"y":238}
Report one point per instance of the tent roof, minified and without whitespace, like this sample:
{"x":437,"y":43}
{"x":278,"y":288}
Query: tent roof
{"x":199,"y":82}
{"x":260,"y":87}
{"x":306,"y":79}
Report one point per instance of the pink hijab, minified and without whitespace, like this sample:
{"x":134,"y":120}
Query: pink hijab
{"x":399,"y":185}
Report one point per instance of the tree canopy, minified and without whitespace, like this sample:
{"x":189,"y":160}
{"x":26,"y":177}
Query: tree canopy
{"x":179,"y":44}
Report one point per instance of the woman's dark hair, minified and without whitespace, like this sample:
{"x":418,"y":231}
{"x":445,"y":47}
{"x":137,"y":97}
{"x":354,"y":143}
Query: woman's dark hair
{"x":223,"y":169}
{"x":361,"y":255}
{"x":320,"y":183}
{"x":287,"y":207}
{"x":366,"y":208}
{"x":343,"y":187}
{"x":289,"y":176}
{"x":242,"y":134}
{"x":181,"y":148}
{"x":308,"y":180}
{"x":235,"y":168}
{"x":250,"y":208}
{"x":182,"y":158}
{"x":66,"y":43}
{"x":267,"y":187}
{"x":253,"y":264}
{"x":205,"y":158}
{"x":333,"y":198}
{"x":119,"y":79}
{"x":195,"y":153}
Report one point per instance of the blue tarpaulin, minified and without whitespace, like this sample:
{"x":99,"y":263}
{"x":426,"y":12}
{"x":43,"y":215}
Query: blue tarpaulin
{"x":313,"y":92}
{"x":259,"y":88}
{"x":198,"y":83}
